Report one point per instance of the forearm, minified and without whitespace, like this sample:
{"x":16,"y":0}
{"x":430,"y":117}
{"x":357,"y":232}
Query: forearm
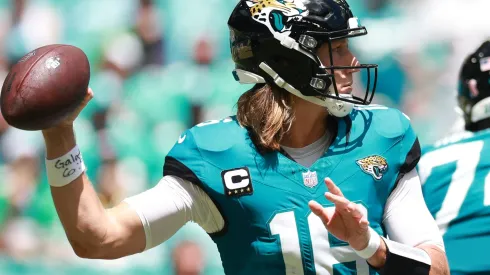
{"x":413,"y":233}
{"x":438,"y":261}
{"x":438,"y":258}
{"x":77,"y":204}
{"x":379,"y":258}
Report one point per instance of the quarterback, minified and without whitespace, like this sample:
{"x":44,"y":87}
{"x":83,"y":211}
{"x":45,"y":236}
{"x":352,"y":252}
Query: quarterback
{"x":455,"y":173}
{"x":306,"y":178}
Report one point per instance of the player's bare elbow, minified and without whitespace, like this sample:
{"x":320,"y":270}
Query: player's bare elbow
{"x":86,"y":250}
{"x":438,"y":257}
{"x":433,"y":249}
{"x":123,"y":236}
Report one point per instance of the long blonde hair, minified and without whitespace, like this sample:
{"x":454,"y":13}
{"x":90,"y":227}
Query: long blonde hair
{"x":267,"y":113}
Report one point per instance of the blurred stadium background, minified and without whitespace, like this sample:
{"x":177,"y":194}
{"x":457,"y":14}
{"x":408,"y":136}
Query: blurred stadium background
{"x":161,"y":66}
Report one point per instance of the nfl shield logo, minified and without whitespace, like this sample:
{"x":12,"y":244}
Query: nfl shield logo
{"x":310,"y":179}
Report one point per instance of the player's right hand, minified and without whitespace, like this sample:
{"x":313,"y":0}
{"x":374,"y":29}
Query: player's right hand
{"x":68,"y":122}
{"x":346,"y":222}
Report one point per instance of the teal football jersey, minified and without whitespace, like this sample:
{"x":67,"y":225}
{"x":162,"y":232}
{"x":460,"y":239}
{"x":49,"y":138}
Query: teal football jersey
{"x":455,"y":174}
{"x":263,"y":198}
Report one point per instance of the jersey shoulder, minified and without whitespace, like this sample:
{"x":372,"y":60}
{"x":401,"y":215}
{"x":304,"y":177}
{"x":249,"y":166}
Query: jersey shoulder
{"x":456,"y":138}
{"x":215,"y":142}
{"x":218,"y":135}
{"x":384,"y":128}
{"x":457,"y":146}
{"x":446,"y":147}
{"x":388,"y":132}
{"x":382,"y":121}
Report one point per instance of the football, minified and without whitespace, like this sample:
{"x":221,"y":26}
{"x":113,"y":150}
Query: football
{"x":44,"y":87}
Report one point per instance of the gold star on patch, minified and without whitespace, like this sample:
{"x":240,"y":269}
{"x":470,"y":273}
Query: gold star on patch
{"x":236,"y":191}
{"x":229,"y":192}
{"x":241,"y":190}
{"x":248,"y":189}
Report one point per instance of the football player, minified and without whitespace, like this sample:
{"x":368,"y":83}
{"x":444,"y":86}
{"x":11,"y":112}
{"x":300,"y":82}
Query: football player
{"x":455,"y":173}
{"x":254,"y":181}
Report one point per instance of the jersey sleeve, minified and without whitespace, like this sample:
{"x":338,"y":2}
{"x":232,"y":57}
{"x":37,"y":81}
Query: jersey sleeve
{"x":410,"y":151}
{"x":184,"y":160}
{"x":406,"y":218}
{"x":169,"y":205}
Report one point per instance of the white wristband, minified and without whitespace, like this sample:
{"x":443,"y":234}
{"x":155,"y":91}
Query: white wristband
{"x":65,"y":169}
{"x":372,"y":247}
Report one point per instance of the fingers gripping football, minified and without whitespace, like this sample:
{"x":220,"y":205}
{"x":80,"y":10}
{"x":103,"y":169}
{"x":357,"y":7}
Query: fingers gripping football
{"x":71,"y":118}
{"x":67,"y":123}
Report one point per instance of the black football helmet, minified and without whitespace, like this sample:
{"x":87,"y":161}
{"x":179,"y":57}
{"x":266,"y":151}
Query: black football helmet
{"x":474,"y":88}
{"x":276,"y":42}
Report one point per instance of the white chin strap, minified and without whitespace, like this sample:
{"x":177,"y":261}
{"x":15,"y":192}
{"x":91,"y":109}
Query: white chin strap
{"x":481,"y":110}
{"x":335,"y":107}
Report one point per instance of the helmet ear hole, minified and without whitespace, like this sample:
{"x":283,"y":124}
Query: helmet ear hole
{"x":279,"y":60}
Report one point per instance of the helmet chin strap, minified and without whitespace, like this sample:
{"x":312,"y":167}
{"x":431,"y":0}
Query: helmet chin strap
{"x":481,"y":110}
{"x":335,"y":107}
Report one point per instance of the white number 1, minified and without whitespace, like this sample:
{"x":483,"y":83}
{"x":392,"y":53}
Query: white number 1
{"x":467,"y":157}
{"x":284,"y":224}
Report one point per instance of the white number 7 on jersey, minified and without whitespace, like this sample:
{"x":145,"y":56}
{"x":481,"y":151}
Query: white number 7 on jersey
{"x":467,"y":157}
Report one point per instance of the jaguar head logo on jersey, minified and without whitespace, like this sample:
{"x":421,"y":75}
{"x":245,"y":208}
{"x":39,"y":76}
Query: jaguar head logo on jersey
{"x":277,"y":15}
{"x":373,"y":165}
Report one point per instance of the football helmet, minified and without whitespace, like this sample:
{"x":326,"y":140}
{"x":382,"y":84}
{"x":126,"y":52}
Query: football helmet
{"x":474,"y":87}
{"x":276,"y":42}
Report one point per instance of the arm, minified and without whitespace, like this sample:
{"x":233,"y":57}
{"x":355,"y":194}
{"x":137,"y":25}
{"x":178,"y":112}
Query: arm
{"x":91,"y":230}
{"x":438,"y":258}
{"x":138,"y":223}
{"x":169,"y":205}
{"x":408,"y":222}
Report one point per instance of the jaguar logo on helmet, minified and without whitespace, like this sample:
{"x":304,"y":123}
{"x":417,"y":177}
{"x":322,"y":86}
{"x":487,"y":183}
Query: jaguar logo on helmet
{"x":277,"y":15}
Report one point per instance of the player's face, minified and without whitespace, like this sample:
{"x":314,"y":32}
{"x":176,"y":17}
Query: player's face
{"x":341,"y":56}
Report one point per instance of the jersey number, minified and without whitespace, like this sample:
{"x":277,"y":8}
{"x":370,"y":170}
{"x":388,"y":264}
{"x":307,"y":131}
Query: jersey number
{"x":214,"y":121}
{"x":325,"y":257}
{"x":467,"y":157}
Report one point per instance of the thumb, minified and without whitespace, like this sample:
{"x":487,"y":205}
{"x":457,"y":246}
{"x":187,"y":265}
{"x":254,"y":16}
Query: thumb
{"x":86,"y":99}
{"x":364,"y":223}
{"x":68,"y":121}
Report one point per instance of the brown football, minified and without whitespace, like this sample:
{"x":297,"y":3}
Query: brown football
{"x":44,"y":87}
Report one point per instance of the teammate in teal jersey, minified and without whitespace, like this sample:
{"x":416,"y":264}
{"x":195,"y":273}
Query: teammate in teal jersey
{"x":455,"y":173}
{"x":254,"y":181}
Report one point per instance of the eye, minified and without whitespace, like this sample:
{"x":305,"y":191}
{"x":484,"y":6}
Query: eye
{"x":337,"y":49}
{"x":341,"y":49}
